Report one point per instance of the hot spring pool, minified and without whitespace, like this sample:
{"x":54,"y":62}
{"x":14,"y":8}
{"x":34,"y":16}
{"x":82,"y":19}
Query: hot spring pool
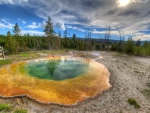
{"x":59,"y":80}
{"x":56,"y":69}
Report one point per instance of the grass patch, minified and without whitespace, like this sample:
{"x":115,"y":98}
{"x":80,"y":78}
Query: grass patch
{"x":20,"y":111}
{"x":148,"y":84}
{"x":4,"y":62}
{"x":124,"y":64}
{"x":53,"y":52}
{"x":35,"y":54}
{"x":146,"y":92}
{"x":31,"y":55}
{"x":137,"y":71}
{"x":133,"y":102}
{"x":5,"y":107}
{"x":24,"y":55}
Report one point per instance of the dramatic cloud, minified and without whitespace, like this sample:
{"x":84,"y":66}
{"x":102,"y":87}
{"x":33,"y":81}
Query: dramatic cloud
{"x":113,"y":32}
{"x":32,"y":26}
{"x":42,"y":25}
{"x":75,"y":28}
{"x":4,"y":23}
{"x":60,"y":25}
{"x":12,"y":1}
{"x":131,"y":17}
{"x":22,"y":21}
{"x":98,"y":32}
{"x":79,"y":29}
{"x":142,"y":37}
{"x":32,"y":32}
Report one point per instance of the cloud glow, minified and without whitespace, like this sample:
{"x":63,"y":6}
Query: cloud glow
{"x":123,"y":2}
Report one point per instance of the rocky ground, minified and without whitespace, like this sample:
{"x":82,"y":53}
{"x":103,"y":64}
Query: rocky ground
{"x":129,"y":78}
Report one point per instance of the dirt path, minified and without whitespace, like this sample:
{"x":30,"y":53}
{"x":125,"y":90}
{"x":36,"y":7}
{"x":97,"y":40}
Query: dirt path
{"x":129,"y":77}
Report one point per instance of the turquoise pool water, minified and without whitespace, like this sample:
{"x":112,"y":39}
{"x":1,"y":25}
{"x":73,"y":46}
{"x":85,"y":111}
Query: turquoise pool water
{"x":59,"y":69}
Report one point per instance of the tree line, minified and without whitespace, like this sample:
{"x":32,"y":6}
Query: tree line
{"x":14,"y":43}
{"x":131,"y":47}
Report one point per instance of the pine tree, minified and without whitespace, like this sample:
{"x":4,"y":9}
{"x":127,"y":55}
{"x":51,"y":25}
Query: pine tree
{"x":74,"y":37}
{"x":59,"y":34}
{"x":16,"y":30}
{"x":58,"y":43}
{"x":29,"y":41}
{"x":73,"y":44}
{"x":138,"y":43}
{"x":11,"y":44}
{"x":21,"y":43}
{"x":49,"y":32}
{"x":65,"y":34}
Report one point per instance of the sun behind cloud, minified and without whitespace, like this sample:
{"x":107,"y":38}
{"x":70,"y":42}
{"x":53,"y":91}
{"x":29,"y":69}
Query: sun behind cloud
{"x":123,"y":3}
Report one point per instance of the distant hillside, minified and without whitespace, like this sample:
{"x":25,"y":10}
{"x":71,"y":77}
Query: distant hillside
{"x":98,"y":40}
{"x":103,"y":40}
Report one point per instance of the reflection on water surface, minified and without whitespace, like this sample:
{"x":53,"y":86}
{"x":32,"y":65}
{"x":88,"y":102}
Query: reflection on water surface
{"x":56,"y":69}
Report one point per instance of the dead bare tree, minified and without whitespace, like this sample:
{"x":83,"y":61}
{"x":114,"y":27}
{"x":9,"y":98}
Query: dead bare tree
{"x":107,"y":38}
{"x":88,"y":39}
{"x":123,"y":38}
{"x":119,"y":33}
{"x":121,"y":42}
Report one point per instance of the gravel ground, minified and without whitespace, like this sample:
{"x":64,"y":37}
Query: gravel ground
{"x":129,"y":77}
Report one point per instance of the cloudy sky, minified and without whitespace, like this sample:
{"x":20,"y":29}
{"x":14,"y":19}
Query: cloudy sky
{"x":131,"y":17}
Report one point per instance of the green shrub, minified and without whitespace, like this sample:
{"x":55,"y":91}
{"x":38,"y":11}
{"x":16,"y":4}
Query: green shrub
{"x":146,"y":92}
{"x":133,"y":102}
{"x":129,"y":46}
{"x":148,"y":84}
{"x":20,"y":111}
{"x":24,"y":54}
{"x":145,"y":51}
{"x":114,"y":47}
{"x":5,"y":107}
{"x":137,"y":50}
{"x":11,"y":44}
{"x":4,"y":62}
